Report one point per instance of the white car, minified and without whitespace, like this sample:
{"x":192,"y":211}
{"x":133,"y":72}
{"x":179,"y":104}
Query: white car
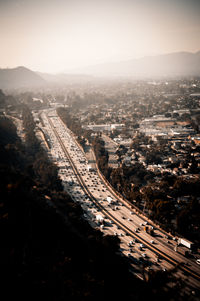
{"x":198,"y":261}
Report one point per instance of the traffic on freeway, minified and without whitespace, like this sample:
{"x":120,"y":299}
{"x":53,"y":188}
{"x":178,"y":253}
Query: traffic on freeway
{"x":140,"y":240}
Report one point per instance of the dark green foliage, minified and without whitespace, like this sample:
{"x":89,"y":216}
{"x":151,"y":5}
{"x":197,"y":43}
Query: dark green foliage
{"x":8,"y":133}
{"x":44,"y":171}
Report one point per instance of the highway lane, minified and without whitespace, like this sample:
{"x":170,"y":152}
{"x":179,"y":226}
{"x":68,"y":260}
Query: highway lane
{"x":116,"y":215}
{"x":165,"y":239}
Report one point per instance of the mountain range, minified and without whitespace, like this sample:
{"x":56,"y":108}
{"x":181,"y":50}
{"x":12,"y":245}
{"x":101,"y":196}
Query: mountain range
{"x":168,"y":65}
{"x":173,"y":64}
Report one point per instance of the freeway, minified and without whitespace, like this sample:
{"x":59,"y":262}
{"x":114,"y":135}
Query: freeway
{"x":92,"y":192}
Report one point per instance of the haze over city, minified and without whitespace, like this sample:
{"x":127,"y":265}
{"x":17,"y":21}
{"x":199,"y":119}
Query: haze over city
{"x":100,"y":150}
{"x":57,"y":36}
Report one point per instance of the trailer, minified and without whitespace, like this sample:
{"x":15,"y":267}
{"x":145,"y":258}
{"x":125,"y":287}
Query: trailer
{"x":186,"y":243}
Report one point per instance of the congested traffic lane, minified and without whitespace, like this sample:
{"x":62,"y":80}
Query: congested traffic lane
{"x":99,"y":191}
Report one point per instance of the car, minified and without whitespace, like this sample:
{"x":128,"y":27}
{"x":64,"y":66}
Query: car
{"x":129,"y":219}
{"x":144,"y":255}
{"x":152,"y":241}
{"x":198,"y":261}
{"x":141,"y":245}
{"x":129,"y":254}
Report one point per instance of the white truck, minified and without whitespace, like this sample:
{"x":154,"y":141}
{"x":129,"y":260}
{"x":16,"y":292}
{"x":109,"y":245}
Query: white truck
{"x":186,"y":243}
{"x":99,"y":219}
{"x":89,"y":168}
{"x":109,"y":200}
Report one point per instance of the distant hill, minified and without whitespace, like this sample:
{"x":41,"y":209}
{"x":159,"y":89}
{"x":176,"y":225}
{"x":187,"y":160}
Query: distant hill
{"x":65,"y":77}
{"x":19,"y":77}
{"x":168,"y":65}
{"x":173,"y":64}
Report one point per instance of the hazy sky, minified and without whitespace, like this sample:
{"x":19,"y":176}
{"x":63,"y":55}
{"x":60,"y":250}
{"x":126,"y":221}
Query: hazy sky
{"x":57,"y":35}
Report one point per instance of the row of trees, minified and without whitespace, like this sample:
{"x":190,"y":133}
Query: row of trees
{"x":44,"y":170}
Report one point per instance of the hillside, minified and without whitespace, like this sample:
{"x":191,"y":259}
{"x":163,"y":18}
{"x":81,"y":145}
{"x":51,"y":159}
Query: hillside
{"x":19,"y":77}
